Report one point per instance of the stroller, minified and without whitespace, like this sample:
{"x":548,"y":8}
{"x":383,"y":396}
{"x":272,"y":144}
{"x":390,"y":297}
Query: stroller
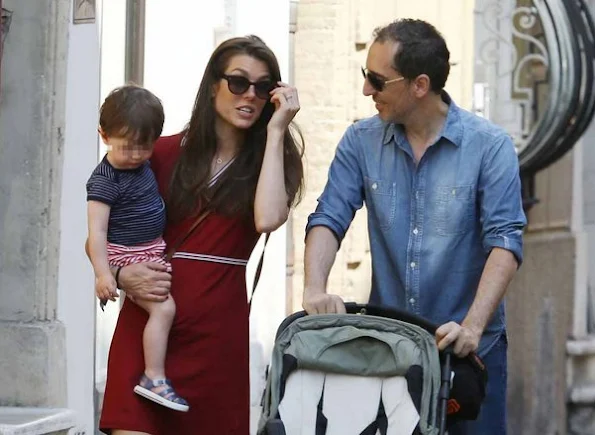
{"x":370,"y":371}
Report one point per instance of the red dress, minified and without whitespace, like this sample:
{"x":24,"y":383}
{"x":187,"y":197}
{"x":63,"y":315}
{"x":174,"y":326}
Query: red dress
{"x":207,"y":357}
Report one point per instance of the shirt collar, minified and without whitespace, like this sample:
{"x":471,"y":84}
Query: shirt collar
{"x":452,"y":130}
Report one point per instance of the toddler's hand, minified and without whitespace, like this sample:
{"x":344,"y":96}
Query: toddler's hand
{"x":105,"y":288}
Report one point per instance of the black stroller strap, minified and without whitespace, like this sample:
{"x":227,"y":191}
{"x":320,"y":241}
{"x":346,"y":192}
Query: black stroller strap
{"x":380,"y":424}
{"x":321,"y":420}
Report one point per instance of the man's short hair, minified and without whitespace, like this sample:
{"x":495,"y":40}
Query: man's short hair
{"x":421,"y":50}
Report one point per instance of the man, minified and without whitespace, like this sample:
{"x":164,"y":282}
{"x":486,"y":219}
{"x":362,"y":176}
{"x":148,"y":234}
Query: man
{"x":445,"y":216}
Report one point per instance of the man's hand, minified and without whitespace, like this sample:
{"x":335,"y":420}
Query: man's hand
{"x":145,"y":281}
{"x":465,"y":339}
{"x":320,"y":302}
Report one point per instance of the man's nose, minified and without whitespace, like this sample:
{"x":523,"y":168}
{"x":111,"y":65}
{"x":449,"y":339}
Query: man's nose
{"x":367,"y":89}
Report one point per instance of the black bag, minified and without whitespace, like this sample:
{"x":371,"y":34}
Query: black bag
{"x":468,"y":388}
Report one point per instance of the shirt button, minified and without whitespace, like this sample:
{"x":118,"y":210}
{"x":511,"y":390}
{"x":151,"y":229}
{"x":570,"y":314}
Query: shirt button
{"x":413,"y":265}
{"x":374,"y":186}
{"x":411,"y":301}
{"x":415,"y":231}
{"x":416,"y":194}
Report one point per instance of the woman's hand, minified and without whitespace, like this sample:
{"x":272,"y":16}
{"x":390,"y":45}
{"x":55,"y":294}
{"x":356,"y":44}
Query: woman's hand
{"x":287,"y":104}
{"x":145,"y":281}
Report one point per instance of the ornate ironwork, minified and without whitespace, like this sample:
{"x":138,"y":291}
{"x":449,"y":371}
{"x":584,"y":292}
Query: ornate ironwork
{"x":510,"y":62}
{"x":540,"y":73}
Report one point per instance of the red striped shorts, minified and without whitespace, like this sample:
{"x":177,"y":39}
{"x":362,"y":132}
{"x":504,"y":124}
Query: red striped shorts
{"x":120,"y":255}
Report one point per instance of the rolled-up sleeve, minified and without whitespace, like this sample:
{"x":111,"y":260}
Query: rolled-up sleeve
{"x":502,"y":215}
{"x":343,"y":194}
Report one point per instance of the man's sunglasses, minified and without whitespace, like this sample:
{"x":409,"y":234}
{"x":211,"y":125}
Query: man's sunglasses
{"x":239,"y":84}
{"x":376,"y":81}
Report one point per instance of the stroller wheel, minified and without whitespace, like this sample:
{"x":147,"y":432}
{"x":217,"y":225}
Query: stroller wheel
{"x":275,"y":427}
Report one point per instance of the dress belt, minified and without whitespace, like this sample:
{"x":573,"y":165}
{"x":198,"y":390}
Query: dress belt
{"x":210,"y":258}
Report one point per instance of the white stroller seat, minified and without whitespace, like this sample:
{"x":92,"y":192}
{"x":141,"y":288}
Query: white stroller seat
{"x":349,"y":403}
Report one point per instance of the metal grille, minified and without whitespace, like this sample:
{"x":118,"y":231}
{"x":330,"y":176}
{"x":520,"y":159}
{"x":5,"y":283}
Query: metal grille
{"x":538,"y":60}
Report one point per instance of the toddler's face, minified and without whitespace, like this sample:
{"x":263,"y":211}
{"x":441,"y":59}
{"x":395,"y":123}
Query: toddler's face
{"x":125,"y":154}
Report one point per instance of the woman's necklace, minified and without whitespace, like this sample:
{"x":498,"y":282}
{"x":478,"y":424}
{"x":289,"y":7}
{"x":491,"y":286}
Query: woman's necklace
{"x":219,"y":160}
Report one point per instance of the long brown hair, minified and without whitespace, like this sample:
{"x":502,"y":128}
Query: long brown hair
{"x":234,"y":192}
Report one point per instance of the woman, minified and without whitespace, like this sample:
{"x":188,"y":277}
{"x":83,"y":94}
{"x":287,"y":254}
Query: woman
{"x":237,"y":159}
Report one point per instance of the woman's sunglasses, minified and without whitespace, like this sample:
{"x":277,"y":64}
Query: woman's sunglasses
{"x":376,"y":82}
{"x":239,"y":84}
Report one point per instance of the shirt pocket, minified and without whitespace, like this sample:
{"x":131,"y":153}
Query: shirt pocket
{"x":382,"y":202}
{"x":455,"y":209}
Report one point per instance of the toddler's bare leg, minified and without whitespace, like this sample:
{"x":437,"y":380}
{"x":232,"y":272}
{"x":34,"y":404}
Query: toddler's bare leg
{"x":156,"y":334}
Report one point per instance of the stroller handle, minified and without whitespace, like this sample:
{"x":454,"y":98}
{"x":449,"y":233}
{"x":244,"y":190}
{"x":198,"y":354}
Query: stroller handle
{"x":391,"y":313}
{"x":371,"y":310}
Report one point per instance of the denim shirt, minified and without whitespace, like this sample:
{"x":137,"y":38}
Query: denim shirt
{"x":432,"y":225}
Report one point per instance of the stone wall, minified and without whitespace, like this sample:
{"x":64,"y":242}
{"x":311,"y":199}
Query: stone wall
{"x":32,"y":367}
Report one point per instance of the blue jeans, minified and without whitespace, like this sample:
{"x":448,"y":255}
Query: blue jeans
{"x":492,"y":417}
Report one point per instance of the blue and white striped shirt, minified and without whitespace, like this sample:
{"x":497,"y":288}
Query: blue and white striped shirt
{"x":137,"y":212}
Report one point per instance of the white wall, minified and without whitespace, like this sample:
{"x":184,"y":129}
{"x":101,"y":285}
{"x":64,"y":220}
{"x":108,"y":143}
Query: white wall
{"x":179,"y":38}
{"x":113,"y":37}
{"x":76,"y":300}
{"x":112,"y":25}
